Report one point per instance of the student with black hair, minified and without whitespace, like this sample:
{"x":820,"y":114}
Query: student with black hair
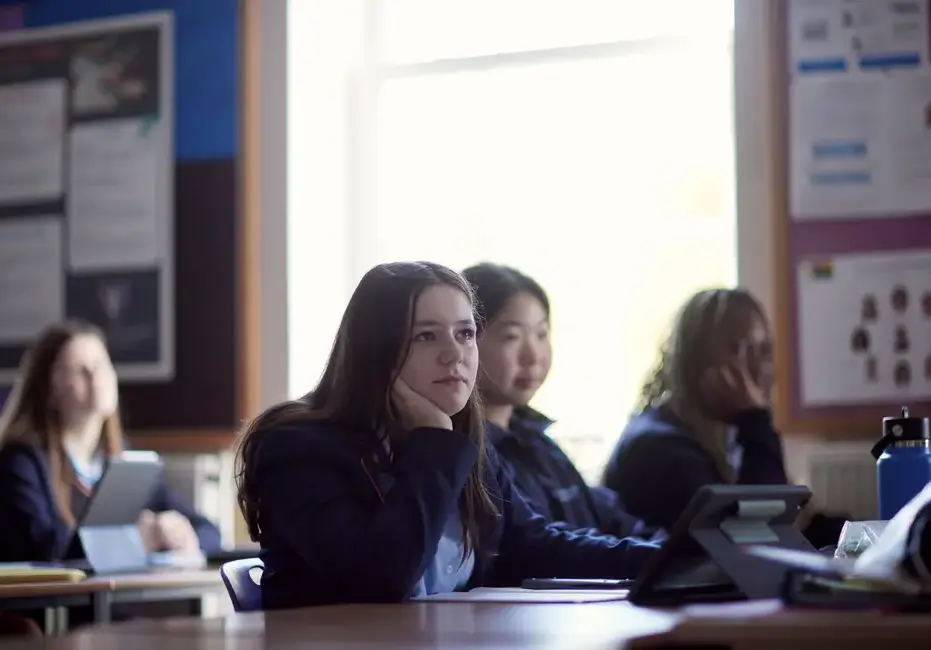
{"x":377,"y":486}
{"x":515,"y":351}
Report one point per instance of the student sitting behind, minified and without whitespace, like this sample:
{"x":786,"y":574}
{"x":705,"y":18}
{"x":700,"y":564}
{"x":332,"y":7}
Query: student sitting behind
{"x":705,"y":415}
{"x":377,"y":486}
{"x":515,"y":350}
{"x":57,"y":428}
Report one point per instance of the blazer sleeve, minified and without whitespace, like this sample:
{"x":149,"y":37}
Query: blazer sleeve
{"x":164,"y":500}
{"x":615,"y":520}
{"x":763,"y":462}
{"x":376,"y":554}
{"x":530,"y":548}
{"x":30,"y":527}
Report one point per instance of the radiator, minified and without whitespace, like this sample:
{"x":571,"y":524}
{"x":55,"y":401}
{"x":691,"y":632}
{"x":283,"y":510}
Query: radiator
{"x":843,"y":477}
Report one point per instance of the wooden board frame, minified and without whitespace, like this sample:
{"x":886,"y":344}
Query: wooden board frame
{"x":247,"y":233}
{"x":851,"y":423}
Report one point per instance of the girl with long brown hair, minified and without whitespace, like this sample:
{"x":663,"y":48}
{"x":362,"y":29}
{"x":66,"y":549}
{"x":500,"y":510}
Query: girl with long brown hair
{"x":57,"y":428}
{"x":377,"y":486}
{"x":705,"y":415}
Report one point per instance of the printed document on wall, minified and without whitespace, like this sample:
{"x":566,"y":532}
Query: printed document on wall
{"x":32,"y":126}
{"x":864,"y":326}
{"x":31,"y":278}
{"x":113,"y":199}
{"x":860,"y":146}
{"x":840,"y":36}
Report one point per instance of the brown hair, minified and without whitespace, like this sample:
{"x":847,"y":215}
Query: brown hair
{"x":29,"y":415}
{"x":354,"y":391}
{"x":675,"y":382}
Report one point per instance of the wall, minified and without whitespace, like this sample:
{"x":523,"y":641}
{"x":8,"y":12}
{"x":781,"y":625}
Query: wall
{"x":204,"y":392}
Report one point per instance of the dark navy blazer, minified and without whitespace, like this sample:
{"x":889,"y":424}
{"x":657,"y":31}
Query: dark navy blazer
{"x":551,"y":484}
{"x":657,"y":467}
{"x":30,"y":528}
{"x":341,"y":523}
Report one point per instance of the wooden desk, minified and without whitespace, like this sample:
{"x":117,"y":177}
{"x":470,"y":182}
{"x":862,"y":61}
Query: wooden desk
{"x":105,"y":591}
{"x":762,"y":625}
{"x":52,"y":597}
{"x":153,"y":586}
{"x":413,"y":626}
{"x":608,"y":625}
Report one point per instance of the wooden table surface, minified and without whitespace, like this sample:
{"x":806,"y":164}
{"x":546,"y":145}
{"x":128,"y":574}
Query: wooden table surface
{"x":162,"y":579}
{"x":51,"y":589}
{"x":588,"y":626}
{"x":412,"y":626}
{"x":155,"y":579}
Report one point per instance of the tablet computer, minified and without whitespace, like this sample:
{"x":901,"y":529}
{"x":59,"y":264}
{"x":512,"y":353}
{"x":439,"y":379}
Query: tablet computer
{"x":106,"y":539}
{"x":123,"y":491}
{"x":703,"y":561}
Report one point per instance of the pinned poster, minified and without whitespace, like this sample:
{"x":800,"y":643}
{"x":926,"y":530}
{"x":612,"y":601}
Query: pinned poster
{"x":842,"y":36}
{"x":864,"y":324}
{"x":86,"y":152}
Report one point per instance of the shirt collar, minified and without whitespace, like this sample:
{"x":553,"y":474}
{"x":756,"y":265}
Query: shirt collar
{"x":525,"y":422}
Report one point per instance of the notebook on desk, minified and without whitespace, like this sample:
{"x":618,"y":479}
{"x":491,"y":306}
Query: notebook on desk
{"x":18,"y":574}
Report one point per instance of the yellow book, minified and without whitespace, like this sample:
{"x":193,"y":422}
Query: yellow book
{"x":26,"y":574}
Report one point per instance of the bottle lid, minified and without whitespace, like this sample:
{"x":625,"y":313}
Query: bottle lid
{"x":905,"y":427}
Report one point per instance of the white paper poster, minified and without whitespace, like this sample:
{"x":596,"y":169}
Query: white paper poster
{"x":839,"y":36}
{"x":87,"y":135}
{"x":861,"y":146}
{"x":864,"y":323}
{"x":31,"y":280}
{"x":860,"y":108}
{"x":32,"y":127}
{"x":115,"y":195}
{"x":836,"y":146}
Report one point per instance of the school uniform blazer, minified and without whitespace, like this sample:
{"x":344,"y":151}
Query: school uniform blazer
{"x":340,"y":523}
{"x":657,"y":467}
{"x":30,"y":528}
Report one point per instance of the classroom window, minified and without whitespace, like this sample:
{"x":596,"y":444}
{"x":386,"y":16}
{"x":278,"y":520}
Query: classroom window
{"x":588,"y":143}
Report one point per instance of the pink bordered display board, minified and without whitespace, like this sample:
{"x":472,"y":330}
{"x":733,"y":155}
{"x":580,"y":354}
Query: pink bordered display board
{"x":853,"y":252}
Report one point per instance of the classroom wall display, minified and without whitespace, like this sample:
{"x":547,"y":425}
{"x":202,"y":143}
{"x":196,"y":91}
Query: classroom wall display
{"x":853,"y":262}
{"x":86,"y":188}
{"x":209,"y":395}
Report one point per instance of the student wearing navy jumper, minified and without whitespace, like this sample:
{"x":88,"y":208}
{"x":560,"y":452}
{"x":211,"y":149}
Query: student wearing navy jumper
{"x":377,"y":486}
{"x":705,"y":415}
{"x":515,"y":352}
{"x":57,"y":428}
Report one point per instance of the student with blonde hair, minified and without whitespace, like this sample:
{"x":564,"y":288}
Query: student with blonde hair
{"x":704,"y":415}
{"x":57,"y":428}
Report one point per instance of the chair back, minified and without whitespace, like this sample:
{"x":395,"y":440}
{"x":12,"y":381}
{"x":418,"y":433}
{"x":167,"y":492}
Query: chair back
{"x":243,"y":580}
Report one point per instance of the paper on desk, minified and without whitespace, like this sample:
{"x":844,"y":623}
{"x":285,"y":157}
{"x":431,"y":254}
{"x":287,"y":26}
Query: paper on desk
{"x":818,"y":564}
{"x":517,"y":595}
{"x":886,"y":554}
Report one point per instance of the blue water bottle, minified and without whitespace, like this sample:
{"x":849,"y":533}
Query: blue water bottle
{"x":903,"y":462}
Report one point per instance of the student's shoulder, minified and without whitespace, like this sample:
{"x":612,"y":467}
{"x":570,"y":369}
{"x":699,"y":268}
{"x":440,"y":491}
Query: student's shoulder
{"x":291,"y":429}
{"x":654,"y":431}
{"x":652,"y":423}
{"x":21,"y":453}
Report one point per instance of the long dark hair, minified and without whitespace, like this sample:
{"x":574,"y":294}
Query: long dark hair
{"x":354,"y":391}
{"x":495,"y":284}
{"x":29,"y":415}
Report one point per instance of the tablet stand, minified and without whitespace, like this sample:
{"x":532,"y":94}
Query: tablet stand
{"x":705,"y":561}
{"x":753,"y":577}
